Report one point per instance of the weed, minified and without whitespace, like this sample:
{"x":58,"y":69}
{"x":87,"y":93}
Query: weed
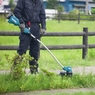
{"x":92,"y":53}
{"x":19,"y":64}
{"x":47,"y":73}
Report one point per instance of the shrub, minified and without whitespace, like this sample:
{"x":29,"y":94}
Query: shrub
{"x":93,"y":11}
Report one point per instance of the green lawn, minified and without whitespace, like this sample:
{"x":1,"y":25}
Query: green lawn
{"x":66,"y":57}
{"x":69,"y":26}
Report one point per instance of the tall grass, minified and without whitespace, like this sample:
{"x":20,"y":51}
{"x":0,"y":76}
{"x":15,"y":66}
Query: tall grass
{"x":44,"y":82}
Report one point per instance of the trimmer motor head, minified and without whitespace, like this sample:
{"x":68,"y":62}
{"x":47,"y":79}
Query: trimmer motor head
{"x":67,"y":71}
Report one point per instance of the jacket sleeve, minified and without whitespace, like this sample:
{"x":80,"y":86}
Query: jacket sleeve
{"x":43,"y":17}
{"x":18,"y":11}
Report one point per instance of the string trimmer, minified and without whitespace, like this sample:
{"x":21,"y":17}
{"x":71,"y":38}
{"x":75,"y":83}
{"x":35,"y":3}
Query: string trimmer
{"x":68,"y":70}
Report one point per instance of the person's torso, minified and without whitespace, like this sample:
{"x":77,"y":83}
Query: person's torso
{"x":31,"y":11}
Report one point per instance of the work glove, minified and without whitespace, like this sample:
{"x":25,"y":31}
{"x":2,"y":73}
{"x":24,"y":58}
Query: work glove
{"x":22,"y":27}
{"x":42,"y":32}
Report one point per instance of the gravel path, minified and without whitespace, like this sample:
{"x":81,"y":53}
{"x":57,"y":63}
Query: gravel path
{"x":54,"y":92}
{"x":76,"y":70}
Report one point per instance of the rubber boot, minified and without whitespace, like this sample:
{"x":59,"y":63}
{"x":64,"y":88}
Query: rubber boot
{"x":33,"y":66}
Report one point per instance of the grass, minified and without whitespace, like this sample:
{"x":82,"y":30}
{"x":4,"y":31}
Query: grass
{"x":63,"y":26}
{"x":43,"y":81}
{"x":71,"y":93}
{"x":69,"y":26}
{"x":63,"y":55}
{"x":46,"y":61}
{"x":67,"y":57}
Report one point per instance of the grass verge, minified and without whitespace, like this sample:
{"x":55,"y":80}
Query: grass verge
{"x":44,"y":81}
{"x":76,"y":93}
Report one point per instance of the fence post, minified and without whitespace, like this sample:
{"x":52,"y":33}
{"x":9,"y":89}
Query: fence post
{"x":79,"y":18}
{"x":85,"y":43}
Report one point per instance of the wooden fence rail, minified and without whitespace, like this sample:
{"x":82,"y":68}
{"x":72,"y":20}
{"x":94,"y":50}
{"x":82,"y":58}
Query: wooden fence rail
{"x":84,"y":45}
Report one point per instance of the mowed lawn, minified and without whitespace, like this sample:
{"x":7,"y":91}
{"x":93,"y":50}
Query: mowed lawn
{"x":66,"y":57}
{"x":71,"y":57}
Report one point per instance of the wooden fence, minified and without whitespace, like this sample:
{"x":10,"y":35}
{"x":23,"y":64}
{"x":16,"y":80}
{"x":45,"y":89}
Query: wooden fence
{"x":84,"y":45}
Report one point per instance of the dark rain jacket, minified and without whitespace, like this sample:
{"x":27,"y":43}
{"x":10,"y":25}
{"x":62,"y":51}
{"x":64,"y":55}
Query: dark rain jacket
{"x":30,"y":11}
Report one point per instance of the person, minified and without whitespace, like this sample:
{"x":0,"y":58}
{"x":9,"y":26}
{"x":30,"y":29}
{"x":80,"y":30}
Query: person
{"x":31,"y":15}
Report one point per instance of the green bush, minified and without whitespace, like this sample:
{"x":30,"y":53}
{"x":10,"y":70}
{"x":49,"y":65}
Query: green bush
{"x":73,"y":15}
{"x":93,"y":11}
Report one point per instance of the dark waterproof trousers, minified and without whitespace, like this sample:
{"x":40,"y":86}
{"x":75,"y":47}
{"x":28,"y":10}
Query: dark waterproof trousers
{"x":26,"y":41}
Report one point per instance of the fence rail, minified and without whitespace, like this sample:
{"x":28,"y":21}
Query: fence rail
{"x":13,"y":33}
{"x":84,"y":45}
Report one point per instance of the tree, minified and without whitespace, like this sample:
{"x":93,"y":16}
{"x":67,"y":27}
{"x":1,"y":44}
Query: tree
{"x":51,"y":4}
{"x":60,"y":9}
{"x":11,"y":4}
